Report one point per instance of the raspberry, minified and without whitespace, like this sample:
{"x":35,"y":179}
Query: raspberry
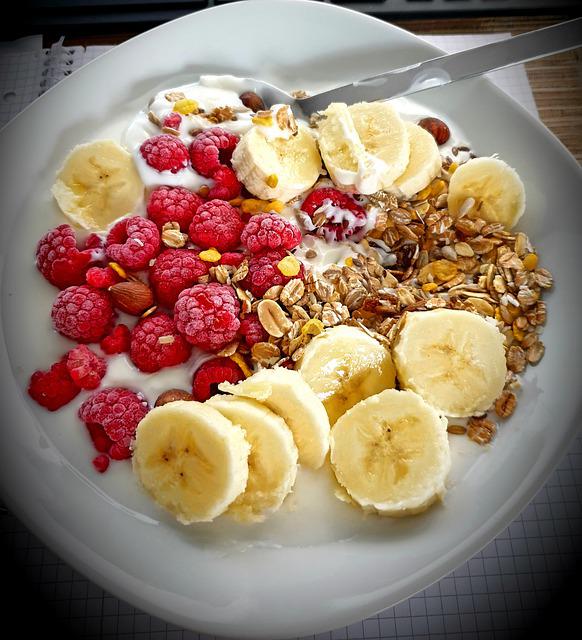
{"x":172,"y":120}
{"x":119,"y":451}
{"x":226,"y":184}
{"x":346,"y":219}
{"x":216,"y":224}
{"x":133,"y":242}
{"x":101,"y":463}
{"x":232,"y":258}
{"x":117,"y":341}
{"x":207,"y":315}
{"x":165,"y":153}
{"x":102,"y":277}
{"x":210,"y":374}
{"x":173,"y":271}
{"x":211,"y":149}
{"x":85,"y":367}
{"x":155,"y":343}
{"x":270,"y":231}
{"x":82,"y":313}
{"x":93,"y":241}
{"x":59,"y":260}
{"x":117,"y":410}
{"x":264,"y":272}
{"x":252,"y":330}
{"x":54,"y":388}
{"x":101,"y":441}
{"x":173,"y":204}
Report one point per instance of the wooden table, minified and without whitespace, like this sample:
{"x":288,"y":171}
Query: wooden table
{"x":556,"y":81}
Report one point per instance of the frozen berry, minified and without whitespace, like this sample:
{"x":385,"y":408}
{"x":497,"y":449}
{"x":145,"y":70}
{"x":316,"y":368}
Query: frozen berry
{"x":85,"y":367}
{"x":211,"y":149}
{"x":437,"y":129}
{"x":172,"y":121}
{"x":336,"y":216}
{"x":117,"y":341}
{"x":156,"y":343}
{"x":102,"y":277}
{"x":101,"y":441}
{"x":165,"y":153}
{"x":54,"y":388}
{"x":210,"y":374}
{"x":264,"y":272}
{"x":59,"y":260}
{"x":216,"y":224}
{"x":94,"y":242}
{"x":133,"y":242}
{"x":101,"y":463}
{"x":173,"y":271}
{"x":252,"y":330}
{"x":82,"y":313}
{"x":226,"y":185}
{"x":270,"y":231}
{"x":119,"y":451}
{"x":117,"y":410}
{"x":207,"y":315}
{"x":173,"y":204}
{"x":232,"y":258}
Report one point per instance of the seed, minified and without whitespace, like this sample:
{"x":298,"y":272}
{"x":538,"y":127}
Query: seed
{"x":437,"y":129}
{"x":272,"y":180}
{"x":252,"y":101}
{"x":530,"y":262}
{"x":457,"y":429}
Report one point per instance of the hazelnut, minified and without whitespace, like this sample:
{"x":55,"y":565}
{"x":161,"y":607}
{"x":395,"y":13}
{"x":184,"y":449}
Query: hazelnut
{"x":171,"y":395}
{"x":252,"y":101}
{"x":437,"y":129}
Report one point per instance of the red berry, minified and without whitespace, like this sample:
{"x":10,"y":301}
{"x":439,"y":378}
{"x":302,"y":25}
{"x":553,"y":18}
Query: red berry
{"x":93,"y":241}
{"x":232,"y":258}
{"x":117,"y":341}
{"x":155,"y":343}
{"x":216,"y":224}
{"x":85,"y":367}
{"x":117,"y":410}
{"x":210,"y":374}
{"x":226,"y":185}
{"x":210,"y":149}
{"x":437,"y":129}
{"x":59,"y":260}
{"x":102,"y":277}
{"x":173,"y":271}
{"x":172,"y":120}
{"x":82,"y":313}
{"x":265,"y":273}
{"x":270,"y":231}
{"x":165,"y":153}
{"x":173,"y":204}
{"x":252,"y":330}
{"x":119,"y":451}
{"x":54,"y":388}
{"x":133,"y":242}
{"x":207,"y":315}
{"x":101,"y":441}
{"x":101,"y":463}
{"x":346,"y":218}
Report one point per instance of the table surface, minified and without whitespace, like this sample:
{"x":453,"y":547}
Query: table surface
{"x":556,"y":81}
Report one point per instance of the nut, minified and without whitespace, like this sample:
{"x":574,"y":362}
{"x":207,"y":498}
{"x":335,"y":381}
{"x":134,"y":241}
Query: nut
{"x":481,"y":430}
{"x":437,"y":129}
{"x":172,"y":395}
{"x":273,"y":318}
{"x":505,"y":404}
{"x":133,"y":297}
{"x":252,"y":101}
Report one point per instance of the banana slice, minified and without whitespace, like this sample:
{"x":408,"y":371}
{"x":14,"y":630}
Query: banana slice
{"x":365,"y":146}
{"x":191,"y":459}
{"x":423,"y":166}
{"x":344,"y":365}
{"x":272,"y":461}
{"x":454,"y":359}
{"x":277,"y":168}
{"x":97,"y":184}
{"x":391,"y":453}
{"x":496,"y":188}
{"x":287,"y":394}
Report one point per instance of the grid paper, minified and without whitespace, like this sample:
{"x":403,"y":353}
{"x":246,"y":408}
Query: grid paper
{"x":497,"y":594}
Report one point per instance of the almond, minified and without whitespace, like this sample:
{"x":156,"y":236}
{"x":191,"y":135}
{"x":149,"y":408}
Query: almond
{"x":133,"y":297}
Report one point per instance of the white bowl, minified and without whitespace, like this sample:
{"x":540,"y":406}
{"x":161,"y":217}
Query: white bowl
{"x":318,"y":564}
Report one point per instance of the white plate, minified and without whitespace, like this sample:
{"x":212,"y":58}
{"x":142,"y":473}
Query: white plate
{"x":321,"y":565}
